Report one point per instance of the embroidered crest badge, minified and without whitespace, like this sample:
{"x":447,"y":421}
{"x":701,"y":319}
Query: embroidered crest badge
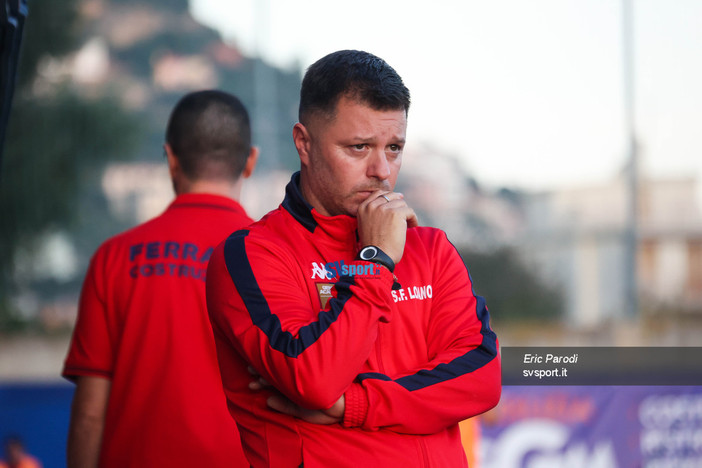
{"x":325,"y":293}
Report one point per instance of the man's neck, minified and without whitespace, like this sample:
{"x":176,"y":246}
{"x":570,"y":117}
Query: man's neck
{"x":225,"y":189}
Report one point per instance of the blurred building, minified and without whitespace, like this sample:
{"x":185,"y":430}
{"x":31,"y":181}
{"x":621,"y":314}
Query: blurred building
{"x":139,"y":191}
{"x":576,"y":238}
{"x":670,"y":248}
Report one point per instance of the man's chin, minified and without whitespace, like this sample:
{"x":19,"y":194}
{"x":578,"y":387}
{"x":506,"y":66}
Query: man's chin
{"x":351,"y":210}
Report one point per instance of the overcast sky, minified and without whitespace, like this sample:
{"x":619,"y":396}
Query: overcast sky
{"x":527,"y":94}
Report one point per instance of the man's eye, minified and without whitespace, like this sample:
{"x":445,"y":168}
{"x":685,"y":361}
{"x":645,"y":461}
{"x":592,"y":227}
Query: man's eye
{"x":395,"y":148}
{"x":359,"y":147}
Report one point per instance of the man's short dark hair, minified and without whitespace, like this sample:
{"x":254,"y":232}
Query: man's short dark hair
{"x":354,"y":74}
{"x":209,"y":133}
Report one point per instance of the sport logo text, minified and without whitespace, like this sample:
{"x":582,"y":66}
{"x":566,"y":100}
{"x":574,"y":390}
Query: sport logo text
{"x":333,"y":270}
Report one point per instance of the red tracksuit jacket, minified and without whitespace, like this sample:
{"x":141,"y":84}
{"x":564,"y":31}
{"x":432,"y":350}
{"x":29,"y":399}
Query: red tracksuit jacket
{"x":412,"y":359}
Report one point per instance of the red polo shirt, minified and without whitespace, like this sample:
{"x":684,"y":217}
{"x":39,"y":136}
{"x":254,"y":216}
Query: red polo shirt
{"x":143,"y":324}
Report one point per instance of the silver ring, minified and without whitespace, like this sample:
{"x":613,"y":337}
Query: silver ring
{"x":386,"y":198}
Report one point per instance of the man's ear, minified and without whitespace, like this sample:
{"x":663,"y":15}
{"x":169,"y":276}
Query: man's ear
{"x":301,"y":138}
{"x":173,"y":163}
{"x":250,"y":162}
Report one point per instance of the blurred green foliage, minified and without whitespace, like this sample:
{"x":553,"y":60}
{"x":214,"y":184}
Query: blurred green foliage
{"x":55,"y":145}
{"x":60,"y":137}
{"x":51,"y":30}
{"x":512,"y":291}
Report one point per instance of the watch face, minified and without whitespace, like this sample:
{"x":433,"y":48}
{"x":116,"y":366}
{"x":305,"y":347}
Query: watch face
{"x":368,"y":252}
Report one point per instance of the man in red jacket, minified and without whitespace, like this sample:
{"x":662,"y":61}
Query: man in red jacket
{"x":148,"y":389}
{"x":364,"y":329}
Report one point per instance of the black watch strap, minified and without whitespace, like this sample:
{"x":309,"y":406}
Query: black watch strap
{"x":371,"y":253}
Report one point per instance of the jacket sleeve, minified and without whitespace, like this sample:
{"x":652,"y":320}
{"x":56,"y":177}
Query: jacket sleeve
{"x":258,"y":299}
{"x":462,"y":376}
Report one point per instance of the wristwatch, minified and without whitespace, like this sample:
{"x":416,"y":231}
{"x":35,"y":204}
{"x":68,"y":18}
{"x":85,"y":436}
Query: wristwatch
{"x":371,"y":253}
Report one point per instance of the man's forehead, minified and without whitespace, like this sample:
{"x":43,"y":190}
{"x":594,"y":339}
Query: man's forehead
{"x":358,"y":109}
{"x":356,"y":99}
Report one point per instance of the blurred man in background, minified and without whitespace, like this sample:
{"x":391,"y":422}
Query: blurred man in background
{"x":148,"y":391}
{"x":364,"y":324}
{"x":16,"y":456}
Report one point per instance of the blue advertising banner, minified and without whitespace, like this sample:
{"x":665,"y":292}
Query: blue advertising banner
{"x":37,"y":413}
{"x":593,"y":427}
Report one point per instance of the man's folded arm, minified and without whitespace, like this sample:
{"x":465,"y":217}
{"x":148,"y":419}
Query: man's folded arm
{"x":462,"y":377}
{"x":258,"y":299}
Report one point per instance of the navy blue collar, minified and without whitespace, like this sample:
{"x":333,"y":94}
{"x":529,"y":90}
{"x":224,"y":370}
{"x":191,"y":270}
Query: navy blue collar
{"x":338,"y":229}
{"x":296,"y":204}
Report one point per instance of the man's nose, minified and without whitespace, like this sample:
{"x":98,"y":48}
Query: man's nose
{"x":378,"y":165}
